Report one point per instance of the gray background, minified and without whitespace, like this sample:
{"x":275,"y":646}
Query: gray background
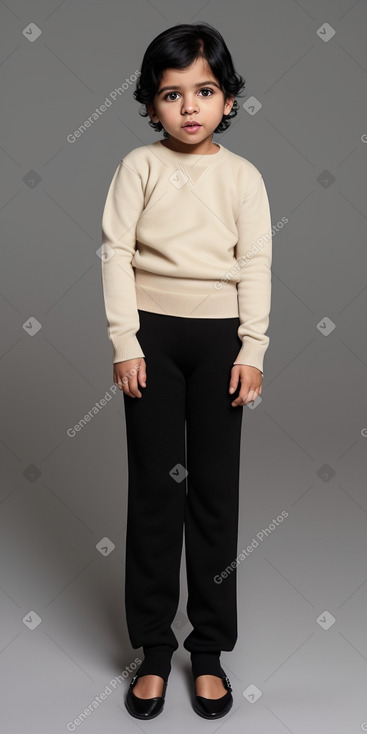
{"x":303,"y":446}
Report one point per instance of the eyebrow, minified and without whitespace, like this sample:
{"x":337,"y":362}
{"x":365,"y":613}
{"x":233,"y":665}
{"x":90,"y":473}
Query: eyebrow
{"x":200,"y":84}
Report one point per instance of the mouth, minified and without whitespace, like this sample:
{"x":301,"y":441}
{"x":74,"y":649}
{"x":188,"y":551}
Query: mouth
{"x":191,"y":127}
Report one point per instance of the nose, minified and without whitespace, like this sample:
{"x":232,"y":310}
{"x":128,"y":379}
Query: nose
{"x":189,"y":105}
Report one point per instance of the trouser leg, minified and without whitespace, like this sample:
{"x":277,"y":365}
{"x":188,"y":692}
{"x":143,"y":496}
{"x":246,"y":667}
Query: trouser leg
{"x":212,"y":502}
{"x":155,"y":428}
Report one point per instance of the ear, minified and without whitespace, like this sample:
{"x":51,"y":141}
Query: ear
{"x":228,"y":105}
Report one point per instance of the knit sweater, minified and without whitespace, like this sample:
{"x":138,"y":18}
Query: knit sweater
{"x":187,"y":235}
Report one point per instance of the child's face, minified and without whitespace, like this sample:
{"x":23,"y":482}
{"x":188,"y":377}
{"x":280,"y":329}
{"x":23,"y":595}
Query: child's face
{"x":174,"y":107}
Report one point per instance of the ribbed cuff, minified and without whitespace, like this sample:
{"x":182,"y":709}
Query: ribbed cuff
{"x":206,"y":663}
{"x":251,"y":354}
{"x":157,"y":661}
{"x":126,"y":348}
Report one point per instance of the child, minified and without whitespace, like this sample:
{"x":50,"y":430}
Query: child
{"x":187,"y":287}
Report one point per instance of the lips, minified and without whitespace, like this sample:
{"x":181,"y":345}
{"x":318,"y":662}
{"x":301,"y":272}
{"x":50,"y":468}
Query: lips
{"x":192,"y":124}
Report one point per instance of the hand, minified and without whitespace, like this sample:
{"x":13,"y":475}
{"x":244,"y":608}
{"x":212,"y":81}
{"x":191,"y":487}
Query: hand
{"x":128,"y":374}
{"x":251,"y":383}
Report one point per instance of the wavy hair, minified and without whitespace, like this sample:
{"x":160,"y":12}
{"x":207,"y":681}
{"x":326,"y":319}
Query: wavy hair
{"x":177,"y":48}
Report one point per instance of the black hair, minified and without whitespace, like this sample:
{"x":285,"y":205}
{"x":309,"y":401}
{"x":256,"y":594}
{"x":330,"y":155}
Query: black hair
{"x":177,"y":48}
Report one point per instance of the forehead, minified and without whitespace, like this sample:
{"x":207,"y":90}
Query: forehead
{"x":199,"y":69}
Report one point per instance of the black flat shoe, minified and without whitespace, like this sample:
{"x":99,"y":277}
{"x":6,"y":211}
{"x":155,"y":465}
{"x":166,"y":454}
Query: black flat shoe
{"x":214,"y":708}
{"x":144,"y":708}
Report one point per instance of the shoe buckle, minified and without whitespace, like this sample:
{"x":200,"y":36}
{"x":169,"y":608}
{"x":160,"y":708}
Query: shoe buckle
{"x":133,"y":680}
{"x":228,"y":683}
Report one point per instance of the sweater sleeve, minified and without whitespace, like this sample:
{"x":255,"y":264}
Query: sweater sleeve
{"x":254,"y":255}
{"x":123,"y":206}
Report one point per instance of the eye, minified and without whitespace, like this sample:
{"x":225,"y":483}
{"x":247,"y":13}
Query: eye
{"x":168,"y":94}
{"x":203,"y":89}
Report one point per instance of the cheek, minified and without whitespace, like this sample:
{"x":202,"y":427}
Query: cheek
{"x":165,"y":111}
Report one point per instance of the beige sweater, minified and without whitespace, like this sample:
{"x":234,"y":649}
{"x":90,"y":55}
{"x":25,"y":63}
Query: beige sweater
{"x":187,"y":235}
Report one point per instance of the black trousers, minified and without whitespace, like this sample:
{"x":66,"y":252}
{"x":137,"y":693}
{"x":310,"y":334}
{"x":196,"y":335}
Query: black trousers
{"x":177,"y":485}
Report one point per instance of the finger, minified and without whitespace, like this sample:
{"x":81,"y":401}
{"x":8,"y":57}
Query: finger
{"x":245,"y":397}
{"x":131,"y":387}
{"x":233,"y":382}
{"x":249,"y":397}
{"x":236,"y":403}
{"x":142,"y":377}
{"x":118,"y":380}
{"x":122,"y":382}
{"x":134,"y":376}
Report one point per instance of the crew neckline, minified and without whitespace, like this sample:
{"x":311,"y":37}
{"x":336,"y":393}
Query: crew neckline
{"x":191,"y":156}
